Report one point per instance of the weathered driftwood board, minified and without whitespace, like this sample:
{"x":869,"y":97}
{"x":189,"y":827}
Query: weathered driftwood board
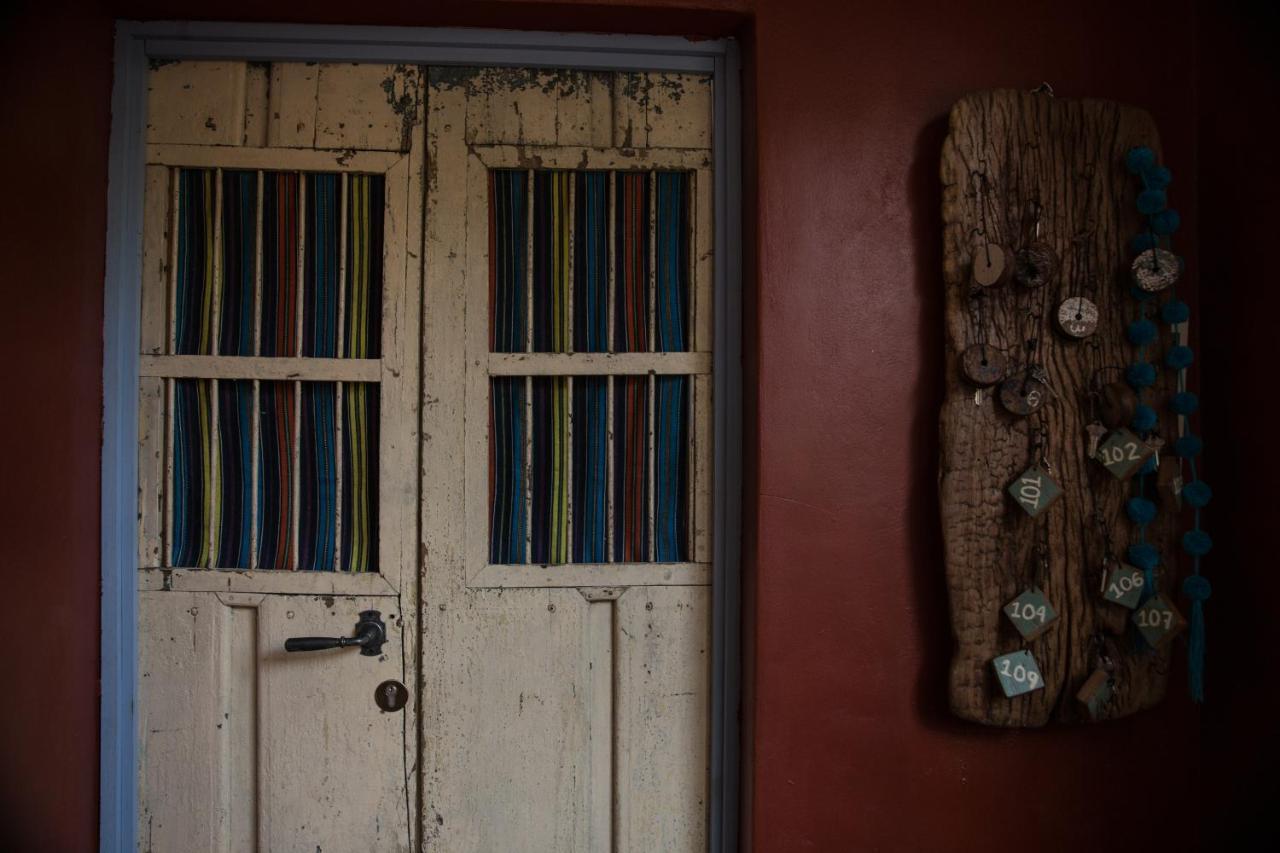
{"x":1069,"y":154}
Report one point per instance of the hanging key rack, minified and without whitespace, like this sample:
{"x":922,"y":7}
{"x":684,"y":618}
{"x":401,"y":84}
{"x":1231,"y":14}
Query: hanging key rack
{"x":1042,"y":181}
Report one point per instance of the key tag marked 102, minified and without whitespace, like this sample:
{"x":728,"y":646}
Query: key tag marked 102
{"x":1031,"y":613}
{"x":1158,"y":621}
{"x":1017,"y":673}
{"x":1123,"y":454}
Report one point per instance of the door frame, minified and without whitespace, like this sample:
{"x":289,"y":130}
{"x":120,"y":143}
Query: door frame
{"x":139,"y":43}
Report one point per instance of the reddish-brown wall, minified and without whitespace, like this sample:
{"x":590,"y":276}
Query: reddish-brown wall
{"x":849,"y":742}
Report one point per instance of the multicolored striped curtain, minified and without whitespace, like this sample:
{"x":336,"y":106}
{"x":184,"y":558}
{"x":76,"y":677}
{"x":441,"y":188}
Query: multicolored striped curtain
{"x":598,"y":490}
{"x":310,"y":487}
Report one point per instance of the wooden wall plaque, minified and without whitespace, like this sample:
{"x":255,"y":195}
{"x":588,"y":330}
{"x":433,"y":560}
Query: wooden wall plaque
{"x":1007,"y":153}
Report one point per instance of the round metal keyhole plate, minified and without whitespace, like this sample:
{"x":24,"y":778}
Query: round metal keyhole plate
{"x":391,"y":696}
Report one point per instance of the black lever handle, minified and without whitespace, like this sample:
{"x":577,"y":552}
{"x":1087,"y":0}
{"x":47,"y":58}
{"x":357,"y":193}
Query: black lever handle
{"x":370,"y":634}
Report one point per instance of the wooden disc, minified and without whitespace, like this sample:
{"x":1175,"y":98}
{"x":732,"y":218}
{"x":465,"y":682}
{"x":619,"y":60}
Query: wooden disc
{"x":1117,"y":404}
{"x":983,"y":364}
{"x":989,"y":266}
{"x":1077,"y":317}
{"x":1022,"y":395}
{"x":1036,"y":265}
{"x":1156,"y":269}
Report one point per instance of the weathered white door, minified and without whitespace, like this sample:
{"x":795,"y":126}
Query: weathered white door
{"x":540,"y":552}
{"x":566,"y":461}
{"x":278,"y":455}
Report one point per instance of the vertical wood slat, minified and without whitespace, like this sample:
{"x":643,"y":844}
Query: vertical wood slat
{"x":568,"y":225}
{"x":651,"y":179}
{"x":214,"y":486}
{"x":343,"y":189}
{"x":611,"y":286}
{"x":255,"y":412}
{"x":152,"y":484}
{"x":172,"y":346}
{"x":295,"y":449}
{"x":528,"y":385}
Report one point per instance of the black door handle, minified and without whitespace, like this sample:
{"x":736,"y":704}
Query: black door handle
{"x":370,"y":634}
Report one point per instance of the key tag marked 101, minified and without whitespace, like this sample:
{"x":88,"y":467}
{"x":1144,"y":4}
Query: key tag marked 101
{"x":1017,"y":673}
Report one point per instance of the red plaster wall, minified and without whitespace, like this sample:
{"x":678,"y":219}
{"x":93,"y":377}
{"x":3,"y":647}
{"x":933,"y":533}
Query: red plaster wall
{"x":849,"y":742}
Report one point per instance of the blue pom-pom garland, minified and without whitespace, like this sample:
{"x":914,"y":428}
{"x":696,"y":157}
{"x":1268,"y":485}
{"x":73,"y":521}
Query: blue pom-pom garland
{"x":1179,"y":357}
{"x":1165,"y":222}
{"x":1175,"y":311}
{"x":1149,"y":467}
{"x":1144,"y":419}
{"x":1141,"y":295}
{"x":1196,"y":543}
{"x":1197,"y":588}
{"x":1144,"y":242}
{"x":1141,"y":332}
{"x":1197,"y":494}
{"x":1156,"y":177}
{"x":1184,"y":402}
{"x":1140,"y":375}
{"x":1140,"y":510}
{"x":1143,"y":555}
{"x":1139,"y":159}
{"x":1152,"y":201}
{"x":1188,"y":446}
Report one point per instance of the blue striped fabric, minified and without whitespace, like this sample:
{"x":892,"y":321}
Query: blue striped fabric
{"x":590,"y":453}
{"x":189,"y":536}
{"x":317,"y":520}
{"x":193,"y":309}
{"x":275,"y":475}
{"x":235,"y":436}
{"x":506,"y":470}
{"x":671,"y":469}
{"x":320,"y":282}
{"x":672,"y":285}
{"x":508,"y":224}
{"x":239,"y":248}
{"x":591,"y":262}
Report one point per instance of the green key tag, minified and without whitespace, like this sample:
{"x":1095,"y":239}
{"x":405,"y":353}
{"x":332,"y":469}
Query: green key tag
{"x":1034,"y":490}
{"x":1158,"y":621}
{"x":1123,"y":454}
{"x":1031,"y":613}
{"x":1095,"y":694}
{"x":1018,"y":673}
{"x":1124,"y":585}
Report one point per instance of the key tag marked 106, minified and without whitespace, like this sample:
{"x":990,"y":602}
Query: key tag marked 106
{"x":1124,"y":585}
{"x":1158,"y":621}
{"x":1034,"y":490}
{"x":1123,"y":454}
{"x":1031,"y":613}
{"x":1017,"y":673}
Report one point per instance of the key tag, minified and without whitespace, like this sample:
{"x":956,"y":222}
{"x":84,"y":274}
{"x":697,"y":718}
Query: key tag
{"x":1017,"y":673}
{"x":1035,"y":490}
{"x":1123,"y":454}
{"x":1031,"y":613}
{"x":1123,"y":585}
{"x":1158,"y":621}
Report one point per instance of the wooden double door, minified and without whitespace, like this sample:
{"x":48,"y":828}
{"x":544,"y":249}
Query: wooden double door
{"x":427,"y":349}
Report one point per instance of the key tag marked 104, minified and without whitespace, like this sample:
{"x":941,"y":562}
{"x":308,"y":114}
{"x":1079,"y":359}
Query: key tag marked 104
{"x":1158,"y":621}
{"x":1017,"y":673}
{"x":1123,"y":454}
{"x":1031,"y":613}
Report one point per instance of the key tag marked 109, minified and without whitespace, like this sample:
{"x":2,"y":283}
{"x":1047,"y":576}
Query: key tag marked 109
{"x":1158,"y":621}
{"x":1018,"y":673}
{"x":1123,"y":454}
{"x":1031,"y":613}
{"x":1124,"y":585}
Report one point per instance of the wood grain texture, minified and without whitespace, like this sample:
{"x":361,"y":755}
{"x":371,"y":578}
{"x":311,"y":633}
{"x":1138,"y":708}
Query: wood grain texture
{"x":1070,"y":153}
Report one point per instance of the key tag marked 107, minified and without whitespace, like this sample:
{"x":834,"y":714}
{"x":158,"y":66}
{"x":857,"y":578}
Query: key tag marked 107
{"x":1031,"y":613}
{"x":1158,"y":621}
{"x":1017,"y":673}
{"x":1123,"y":454}
{"x":1124,"y":585}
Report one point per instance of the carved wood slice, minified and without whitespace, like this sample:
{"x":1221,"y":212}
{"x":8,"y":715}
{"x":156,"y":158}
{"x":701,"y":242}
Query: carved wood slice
{"x":1072,"y":152}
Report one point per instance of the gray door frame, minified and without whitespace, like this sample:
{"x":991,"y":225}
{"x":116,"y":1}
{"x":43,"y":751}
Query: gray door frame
{"x":139,"y":43}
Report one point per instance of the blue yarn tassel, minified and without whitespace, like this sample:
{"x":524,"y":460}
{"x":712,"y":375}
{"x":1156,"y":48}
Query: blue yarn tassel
{"x":1197,"y":588}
